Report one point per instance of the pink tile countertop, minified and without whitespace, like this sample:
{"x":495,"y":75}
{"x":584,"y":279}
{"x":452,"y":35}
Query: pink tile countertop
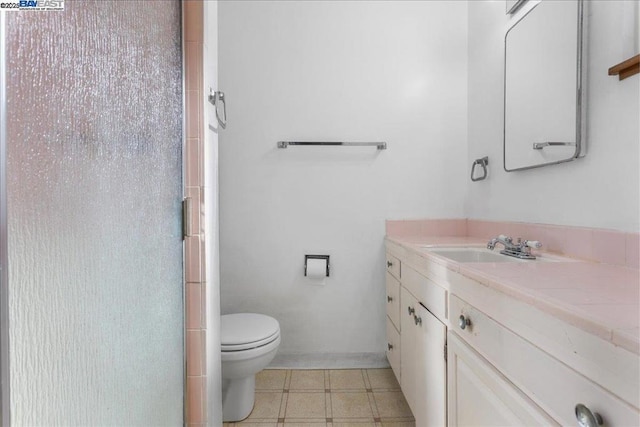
{"x":601,"y":299}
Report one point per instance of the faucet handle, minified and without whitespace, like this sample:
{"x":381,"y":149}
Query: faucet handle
{"x":533,"y":244}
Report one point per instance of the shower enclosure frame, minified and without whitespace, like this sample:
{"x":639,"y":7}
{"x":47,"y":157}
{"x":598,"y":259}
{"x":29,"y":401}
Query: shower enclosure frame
{"x":5,"y":419}
{"x":5,"y":415}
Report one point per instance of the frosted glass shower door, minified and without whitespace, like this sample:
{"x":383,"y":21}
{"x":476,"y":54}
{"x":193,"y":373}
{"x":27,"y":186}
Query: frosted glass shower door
{"x":94,"y":185}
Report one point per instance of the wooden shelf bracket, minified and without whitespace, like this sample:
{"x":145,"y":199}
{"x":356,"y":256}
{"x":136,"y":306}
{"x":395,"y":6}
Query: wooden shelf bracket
{"x":626,"y":68}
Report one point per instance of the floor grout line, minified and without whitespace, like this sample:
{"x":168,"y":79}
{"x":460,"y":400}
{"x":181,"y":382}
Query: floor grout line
{"x":287,"y":379}
{"x":283,"y":405}
{"x":374,"y":406}
{"x":365,"y":377}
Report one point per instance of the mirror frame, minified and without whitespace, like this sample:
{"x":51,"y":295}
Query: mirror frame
{"x":581,"y":73}
{"x":514,"y":8}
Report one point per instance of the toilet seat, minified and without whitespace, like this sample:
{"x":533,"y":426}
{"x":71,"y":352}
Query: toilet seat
{"x":246,"y":346}
{"x":244,"y":331}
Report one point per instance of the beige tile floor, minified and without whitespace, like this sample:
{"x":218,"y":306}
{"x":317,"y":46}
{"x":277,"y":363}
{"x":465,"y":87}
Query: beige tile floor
{"x":332,"y":398}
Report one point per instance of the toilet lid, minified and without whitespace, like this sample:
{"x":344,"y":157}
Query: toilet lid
{"x":242,"y":329}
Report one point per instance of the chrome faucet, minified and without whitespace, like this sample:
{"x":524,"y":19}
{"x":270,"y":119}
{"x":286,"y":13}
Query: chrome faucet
{"x":506,"y":241}
{"x":521,"y":249}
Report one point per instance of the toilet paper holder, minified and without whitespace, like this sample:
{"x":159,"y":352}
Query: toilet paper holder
{"x":308,"y":257}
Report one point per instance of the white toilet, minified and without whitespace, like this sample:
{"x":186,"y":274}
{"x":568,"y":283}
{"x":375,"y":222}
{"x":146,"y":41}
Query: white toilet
{"x":248,"y":342}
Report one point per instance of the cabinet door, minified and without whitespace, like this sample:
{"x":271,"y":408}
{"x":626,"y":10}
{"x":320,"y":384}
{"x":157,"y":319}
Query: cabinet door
{"x":423,"y":367}
{"x":479,"y":395}
{"x":408,"y":305}
{"x":431,"y":370}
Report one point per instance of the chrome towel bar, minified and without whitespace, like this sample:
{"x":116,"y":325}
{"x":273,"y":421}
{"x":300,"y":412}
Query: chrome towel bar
{"x":541,"y":145}
{"x":378,"y":145}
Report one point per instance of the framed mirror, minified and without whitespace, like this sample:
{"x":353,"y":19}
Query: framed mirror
{"x":543,"y":86}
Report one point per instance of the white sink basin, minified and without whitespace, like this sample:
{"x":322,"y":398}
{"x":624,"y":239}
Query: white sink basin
{"x":462,"y":254}
{"x":482,"y":254}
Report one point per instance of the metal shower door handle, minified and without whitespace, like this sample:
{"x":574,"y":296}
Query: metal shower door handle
{"x":216,"y":98}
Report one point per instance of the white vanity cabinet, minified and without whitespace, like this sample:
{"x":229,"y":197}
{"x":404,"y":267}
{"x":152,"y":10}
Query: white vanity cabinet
{"x":507,"y":362}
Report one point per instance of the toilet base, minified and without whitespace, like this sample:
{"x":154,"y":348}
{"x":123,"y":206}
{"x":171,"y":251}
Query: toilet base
{"x":238,"y":397}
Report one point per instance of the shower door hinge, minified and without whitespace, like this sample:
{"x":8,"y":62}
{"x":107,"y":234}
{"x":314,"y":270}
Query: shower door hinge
{"x":186,"y":211}
{"x":445,"y":352}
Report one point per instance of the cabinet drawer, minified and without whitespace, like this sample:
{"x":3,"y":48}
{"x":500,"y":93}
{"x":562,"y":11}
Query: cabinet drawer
{"x":393,"y":300}
{"x":393,"y":266}
{"x":432,"y":296}
{"x":393,"y":349}
{"x":552,"y":385}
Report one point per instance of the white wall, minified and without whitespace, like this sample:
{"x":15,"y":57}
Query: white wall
{"x":341,"y":71}
{"x":212,"y":300}
{"x":600,"y":190}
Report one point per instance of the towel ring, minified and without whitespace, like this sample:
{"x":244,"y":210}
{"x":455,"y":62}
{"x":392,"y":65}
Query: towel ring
{"x":482,"y":162}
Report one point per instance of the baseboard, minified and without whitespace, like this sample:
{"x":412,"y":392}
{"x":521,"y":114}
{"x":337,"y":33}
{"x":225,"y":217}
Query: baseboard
{"x":329,"y":361}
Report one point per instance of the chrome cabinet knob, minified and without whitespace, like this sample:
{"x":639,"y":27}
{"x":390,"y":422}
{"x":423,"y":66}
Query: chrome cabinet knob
{"x":586,"y":418}
{"x":389,"y":264}
{"x":417,"y":319}
{"x":463,"y":322}
{"x":390,"y":346}
{"x":411,"y":310}
{"x":389,"y":299}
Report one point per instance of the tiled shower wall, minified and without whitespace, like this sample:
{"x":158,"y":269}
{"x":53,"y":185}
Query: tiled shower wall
{"x":195,"y":286}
